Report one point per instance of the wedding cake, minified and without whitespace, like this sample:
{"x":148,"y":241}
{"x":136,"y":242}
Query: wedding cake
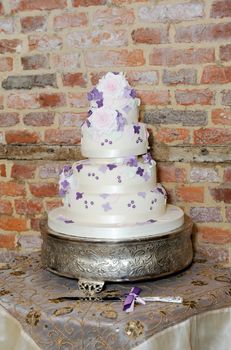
{"x":113,"y":193}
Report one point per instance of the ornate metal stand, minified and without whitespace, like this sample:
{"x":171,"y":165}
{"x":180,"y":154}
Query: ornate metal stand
{"x":95,"y":261}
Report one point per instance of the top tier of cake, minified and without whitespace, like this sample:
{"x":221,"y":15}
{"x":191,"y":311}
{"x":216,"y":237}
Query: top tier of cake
{"x":112,"y":128}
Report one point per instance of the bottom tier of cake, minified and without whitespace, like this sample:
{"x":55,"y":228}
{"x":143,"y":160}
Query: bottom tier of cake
{"x":62,"y":221}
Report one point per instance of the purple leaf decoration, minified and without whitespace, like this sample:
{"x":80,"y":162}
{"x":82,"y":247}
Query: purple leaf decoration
{"x":146,"y":177}
{"x":111,"y":166}
{"x":79,"y":167}
{"x":94,"y":94}
{"x":140,"y":171}
{"x":99,"y":103}
{"x":151,"y":221}
{"x":89,"y":113}
{"x":142,"y":194}
{"x":159,"y":189}
{"x":68,"y":221}
{"x":79,"y":195}
{"x":136,"y":129}
{"x":132,"y":161}
{"x":116,"y":73}
{"x":106,"y":206}
{"x":127,"y":109}
{"x":133,"y":93}
{"x":120,"y":121}
{"x":147,"y":158}
{"x":65,"y":184}
{"x":88,"y":123}
{"x":67,"y":168}
{"x":62,"y":192}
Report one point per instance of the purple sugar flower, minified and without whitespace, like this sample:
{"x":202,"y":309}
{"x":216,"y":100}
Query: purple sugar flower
{"x":62,"y":192}
{"x":133,"y":93}
{"x":68,"y":221}
{"x":136,"y":129}
{"x":132,"y":161}
{"x":88,"y":123}
{"x":120,"y":121}
{"x":159,"y":189}
{"x":111,"y":166}
{"x":106,"y":206}
{"x":140,"y":171}
{"x":65,"y":184}
{"x":79,"y":195}
{"x":146,"y":176}
{"x":147,"y":158}
{"x":127,"y":109}
{"x":89,"y":113}
{"x":99,"y":103}
{"x":79,"y":167}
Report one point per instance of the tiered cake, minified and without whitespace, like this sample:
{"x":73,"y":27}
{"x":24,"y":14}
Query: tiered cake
{"x":113,"y":194}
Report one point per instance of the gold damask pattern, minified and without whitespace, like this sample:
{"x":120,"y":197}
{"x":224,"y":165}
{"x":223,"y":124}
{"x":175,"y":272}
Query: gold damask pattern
{"x":35,"y":297}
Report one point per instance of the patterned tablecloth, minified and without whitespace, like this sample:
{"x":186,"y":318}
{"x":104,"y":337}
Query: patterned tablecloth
{"x":30,"y":294}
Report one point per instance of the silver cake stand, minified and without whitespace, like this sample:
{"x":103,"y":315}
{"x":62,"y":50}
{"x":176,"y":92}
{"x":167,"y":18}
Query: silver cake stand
{"x":95,"y":261}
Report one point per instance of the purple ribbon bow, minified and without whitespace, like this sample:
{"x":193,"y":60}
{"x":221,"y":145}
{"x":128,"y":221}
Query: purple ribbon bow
{"x":131,"y":298}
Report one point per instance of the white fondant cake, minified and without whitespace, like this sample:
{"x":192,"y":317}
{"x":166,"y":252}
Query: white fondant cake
{"x":114,"y":193}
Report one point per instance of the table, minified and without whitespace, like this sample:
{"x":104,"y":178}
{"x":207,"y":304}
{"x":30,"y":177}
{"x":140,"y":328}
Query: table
{"x":31,"y":295}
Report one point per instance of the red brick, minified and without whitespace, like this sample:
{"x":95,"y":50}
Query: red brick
{"x":154,"y":97}
{"x":228,"y":214}
{"x":6,"y":64}
{"x":170,"y":173}
{"x":173,"y":57}
{"x":221,"y":8}
{"x":7,"y":25}
{"x":227,"y":174}
{"x":44,"y":189}
{"x":8,"y":119}
{"x":215,"y":235}
{"x":44,"y":43}
{"x":28,"y":5}
{"x":203,"y":174}
{"x":216,"y":75}
{"x":22,"y":101}
{"x":161,"y":12}
{"x":52,"y":204}
{"x":212,"y":136}
{"x":113,"y":16}
{"x":195,"y":96}
{"x":78,"y":99}
{"x":68,"y":61}
{"x":99,"y":37}
{"x":144,"y":77}
{"x":52,"y":99}
{"x":181,"y":76}
{"x":2,"y":170}
{"x":28,"y":207}
{"x":221,"y":194}
{"x":226,"y":97}
{"x":190,"y":194}
{"x":203,"y":32}
{"x":39,"y":118}
{"x":8,"y":241}
{"x":9,"y":223}
{"x":169,"y":135}
{"x":206,"y":214}
{"x":150,"y":35}
{"x":35,"y":224}
{"x":12,"y":189}
{"x":5,"y":207}
{"x":70,"y":20}
{"x":50,"y":171}
{"x":225,"y":52}
{"x":10,"y":45}
{"x":122,"y":58}
{"x":1,"y":102}
{"x":23,"y":171}
{"x":215,"y":253}
{"x":66,"y":136}
{"x":71,"y":119}
{"x":77,"y":3}
{"x":35,"y":62}
{"x":21,"y":136}
{"x":1,"y":9}
{"x":221,"y":116}
{"x":33,"y":24}
{"x":74,"y":79}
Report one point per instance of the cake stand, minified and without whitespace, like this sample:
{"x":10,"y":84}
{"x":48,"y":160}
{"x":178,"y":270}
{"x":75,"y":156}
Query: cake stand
{"x":94,"y":261}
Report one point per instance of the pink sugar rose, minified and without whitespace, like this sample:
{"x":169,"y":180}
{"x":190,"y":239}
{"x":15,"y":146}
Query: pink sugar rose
{"x":103,"y":118}
{"x":112,"y":85}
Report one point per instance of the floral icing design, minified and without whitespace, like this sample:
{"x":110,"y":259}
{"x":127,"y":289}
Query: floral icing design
{"x":132,"y":161}
{"x":79,"y":167}
{"x":111,"y":166}
{"x":148,"y":159}
{"x":64,"y":184}
{"x":140,"y":171}
{"x":121,"y":121}
{"x":103,"y":119}
{"x":136,"y":129}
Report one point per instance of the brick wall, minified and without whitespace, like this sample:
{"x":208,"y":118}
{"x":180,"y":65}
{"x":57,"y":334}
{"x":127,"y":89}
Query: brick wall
{"x":177,"y":55}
